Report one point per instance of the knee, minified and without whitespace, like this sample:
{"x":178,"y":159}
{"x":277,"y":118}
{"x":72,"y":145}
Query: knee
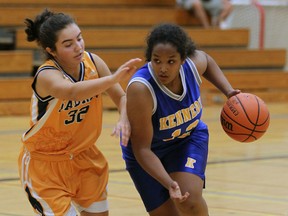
{"x":194,"y":205}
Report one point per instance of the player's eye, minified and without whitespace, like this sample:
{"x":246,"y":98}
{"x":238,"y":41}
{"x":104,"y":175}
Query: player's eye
{"x":68,"y":45}
{"x":157,"y":61}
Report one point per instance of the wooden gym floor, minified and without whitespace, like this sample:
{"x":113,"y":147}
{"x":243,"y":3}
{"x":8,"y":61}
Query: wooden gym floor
{"x":242,"y":179}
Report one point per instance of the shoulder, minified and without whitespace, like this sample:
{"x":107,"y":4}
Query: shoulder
{"x":140,"y":82}
{"x":200,"y":59}
{"x":100,"y":64}
{"x":141,"y":96}
{"x":48,"y":67}
{"x":142,"y":76}
{"x":97,"y":59}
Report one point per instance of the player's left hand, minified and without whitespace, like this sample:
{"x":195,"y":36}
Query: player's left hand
{"x":123,"y":131}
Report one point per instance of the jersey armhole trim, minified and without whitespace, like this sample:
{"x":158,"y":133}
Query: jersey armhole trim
{"x":42,"y":99}
{"x":194,"y":71}
{"x":150,"y":88}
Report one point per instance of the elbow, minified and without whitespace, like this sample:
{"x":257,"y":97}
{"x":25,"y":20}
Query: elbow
{"x":140,"y":153}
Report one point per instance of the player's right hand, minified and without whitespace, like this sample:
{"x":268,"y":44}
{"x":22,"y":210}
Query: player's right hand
{"x":175,"y":193}
{"x":127,"y":69}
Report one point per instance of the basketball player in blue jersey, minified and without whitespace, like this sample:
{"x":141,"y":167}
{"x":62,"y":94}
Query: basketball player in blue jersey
{"x":167,"y":154}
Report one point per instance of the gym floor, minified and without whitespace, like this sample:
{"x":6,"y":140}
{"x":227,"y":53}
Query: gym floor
{"x":242,"y":178}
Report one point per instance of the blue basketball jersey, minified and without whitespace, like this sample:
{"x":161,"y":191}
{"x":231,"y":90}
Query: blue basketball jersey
{"x":175,"y":117}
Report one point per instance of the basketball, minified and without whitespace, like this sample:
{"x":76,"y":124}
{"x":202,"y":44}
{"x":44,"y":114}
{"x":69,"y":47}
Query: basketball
{"x":245,"y":117}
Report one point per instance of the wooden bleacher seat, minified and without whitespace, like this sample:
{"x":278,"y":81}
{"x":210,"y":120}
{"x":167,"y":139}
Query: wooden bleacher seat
{"x":269,"y":85}
{"x":89,"y":2}
{"x":226,"y":58}
{"x":117,"y":37}
{"x":254,"y":79}
{"x":249,"y":58}
{"x":18,"y":88}
{"x":15,"y":96}
{"x":16,"y":61}
{"x":96,"y":16}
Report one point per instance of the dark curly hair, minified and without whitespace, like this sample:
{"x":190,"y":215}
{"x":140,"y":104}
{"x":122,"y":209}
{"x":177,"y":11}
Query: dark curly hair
{"x":44,"y":29}
{"x":172,"y":34}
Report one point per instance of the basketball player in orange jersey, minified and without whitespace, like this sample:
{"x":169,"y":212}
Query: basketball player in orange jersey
{"x":61,"y":169}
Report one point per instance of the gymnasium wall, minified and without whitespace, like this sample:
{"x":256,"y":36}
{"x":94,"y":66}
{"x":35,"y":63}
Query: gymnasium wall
{"x":246,"y":14}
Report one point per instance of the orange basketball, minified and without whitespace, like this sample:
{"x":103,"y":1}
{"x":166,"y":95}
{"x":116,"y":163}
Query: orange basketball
{"x":245,"y":117}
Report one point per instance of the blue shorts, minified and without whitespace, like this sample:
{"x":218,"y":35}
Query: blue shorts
{"x":152,"y":193}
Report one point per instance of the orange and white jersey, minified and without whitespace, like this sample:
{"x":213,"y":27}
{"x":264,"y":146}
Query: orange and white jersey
{"x":62,"y":126}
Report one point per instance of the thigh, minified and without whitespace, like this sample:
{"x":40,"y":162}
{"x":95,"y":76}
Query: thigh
{"x":46,"y":192}
{"x":189,"y":157}
{"x":194,"y":186}
{"x":189,"y":183}
{"x":90,"y":179}
{"x":53,"y":202}
{"x":152,"y":193}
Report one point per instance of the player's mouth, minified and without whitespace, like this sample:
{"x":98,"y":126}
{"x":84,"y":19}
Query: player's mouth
{"x":162,"y":77}
{"x":79,"y":56}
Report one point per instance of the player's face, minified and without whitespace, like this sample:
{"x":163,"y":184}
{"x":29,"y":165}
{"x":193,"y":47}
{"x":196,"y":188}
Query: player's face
{"x":166,"y":62}
{"x":70,"y":46}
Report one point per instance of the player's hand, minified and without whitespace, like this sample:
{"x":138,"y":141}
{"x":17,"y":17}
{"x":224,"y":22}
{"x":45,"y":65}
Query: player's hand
{"x":123,"y":131}
{"x":126,"y":70}
{"x":175,"y":193}
{"x":233,"y":92}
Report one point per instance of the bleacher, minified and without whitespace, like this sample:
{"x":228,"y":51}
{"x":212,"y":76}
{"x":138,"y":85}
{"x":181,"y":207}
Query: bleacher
{"x":116,"y":31}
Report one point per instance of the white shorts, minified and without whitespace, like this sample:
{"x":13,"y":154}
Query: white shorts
{"x":214,"y":7}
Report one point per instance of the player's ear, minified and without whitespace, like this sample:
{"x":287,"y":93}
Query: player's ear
{"x":50,"y":51}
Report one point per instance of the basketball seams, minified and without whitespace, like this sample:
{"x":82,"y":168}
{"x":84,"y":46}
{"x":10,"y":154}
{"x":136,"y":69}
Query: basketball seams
{"x":259,"y":110}
{"x":245,"y":117}
{"x":248,"y":135}
{"x":257,"y":118}
{"x":243,"y":126}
